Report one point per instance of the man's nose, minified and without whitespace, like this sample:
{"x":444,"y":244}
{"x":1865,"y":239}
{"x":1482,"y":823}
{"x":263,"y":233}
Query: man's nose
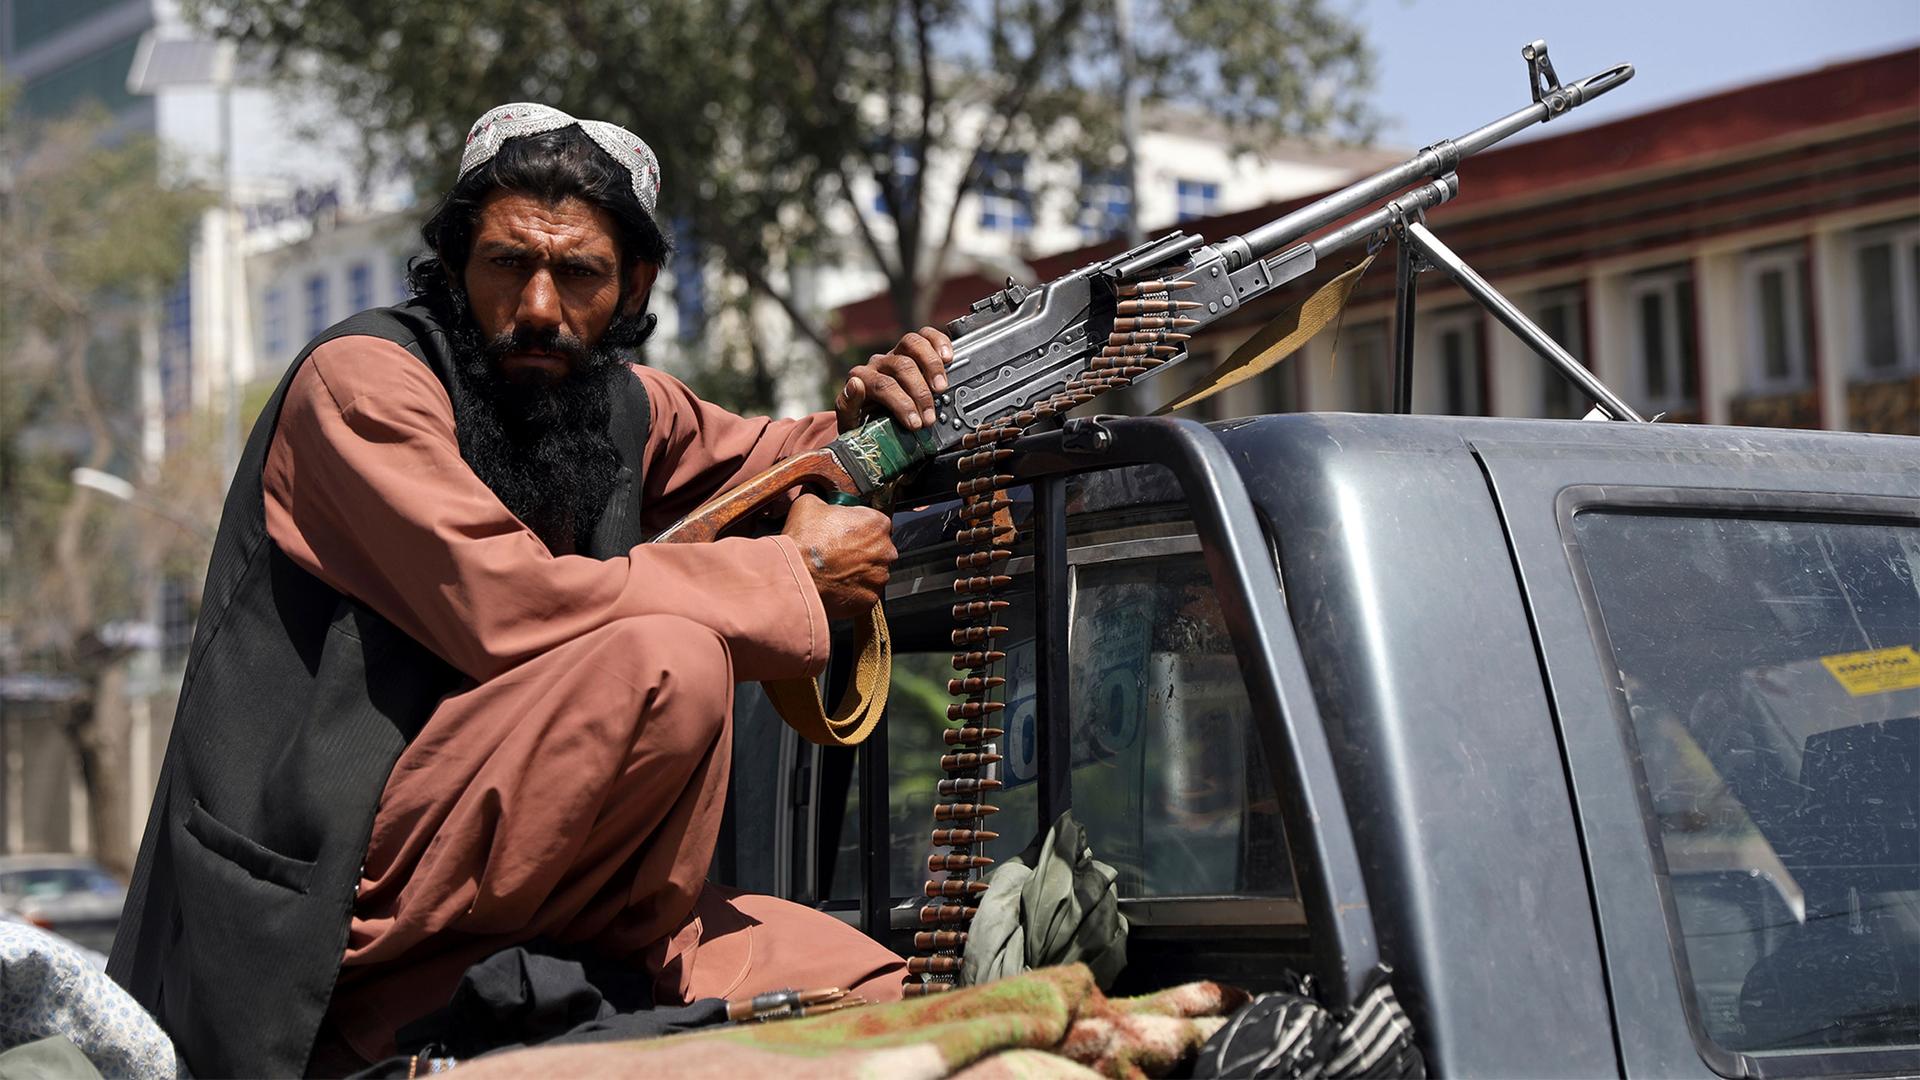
{"x":539,"y":303}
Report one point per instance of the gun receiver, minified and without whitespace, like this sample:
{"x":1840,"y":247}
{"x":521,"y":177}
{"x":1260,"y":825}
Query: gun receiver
{"x":1023,"y":344}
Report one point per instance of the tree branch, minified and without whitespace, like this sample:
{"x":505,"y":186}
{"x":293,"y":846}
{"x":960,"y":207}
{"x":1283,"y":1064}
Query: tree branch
{"x":757,"y":281}
{"x":1006,"y":111}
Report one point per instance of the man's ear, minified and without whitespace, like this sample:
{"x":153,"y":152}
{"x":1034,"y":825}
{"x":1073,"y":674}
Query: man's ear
{"x":641,"y":275}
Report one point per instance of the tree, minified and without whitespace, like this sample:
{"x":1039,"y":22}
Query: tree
{"x":768,"y":115}
{"x":91,"y":238}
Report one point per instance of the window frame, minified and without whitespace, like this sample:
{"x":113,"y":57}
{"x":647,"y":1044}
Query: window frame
{"x":1194,"y":199}
{"x":689,"y":279}
{"x":1572,"y":298}
{"x":1791,"y":263}
{"x":1367,"y":386}
{"x":273,"y":328}
{"x":1331,"y":892}
{"x":317,"y":291}
{"x":1127,"y":543}
{"x":1470,"y":320}
{"x":904,"y":167}
{"x":1704,"y":502}
{"x":1006,"y":199}
{"x":1682,"y":359}
{"x":1902,"y":238}
{"x":1106,"y":203}
{"x":360,"y":285}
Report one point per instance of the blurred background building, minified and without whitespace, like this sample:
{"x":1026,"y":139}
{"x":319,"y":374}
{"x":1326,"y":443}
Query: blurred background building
{"x":284,"y":176}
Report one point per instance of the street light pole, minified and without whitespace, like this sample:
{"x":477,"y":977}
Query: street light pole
{"x":233,"y":272}
{"x":1129,"y":119}
{"x":117,"y":487}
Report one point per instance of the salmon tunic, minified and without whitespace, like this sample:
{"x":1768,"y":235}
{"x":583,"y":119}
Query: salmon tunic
{"x":366,"y":490}
{"x":573,"y":789}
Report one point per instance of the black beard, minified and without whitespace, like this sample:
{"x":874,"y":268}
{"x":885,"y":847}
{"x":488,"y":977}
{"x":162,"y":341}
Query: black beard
{"x":543,"y":447}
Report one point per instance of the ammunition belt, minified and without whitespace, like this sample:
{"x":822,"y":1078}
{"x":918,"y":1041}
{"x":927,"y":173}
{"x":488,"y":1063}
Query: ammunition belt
{"x":1145,"y":334}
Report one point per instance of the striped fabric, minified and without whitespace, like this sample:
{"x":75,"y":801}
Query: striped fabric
{"x":1287,"y":1034}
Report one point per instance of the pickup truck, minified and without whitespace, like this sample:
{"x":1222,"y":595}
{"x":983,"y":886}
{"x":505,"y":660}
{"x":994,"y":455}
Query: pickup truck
{"x":1604,"y":737}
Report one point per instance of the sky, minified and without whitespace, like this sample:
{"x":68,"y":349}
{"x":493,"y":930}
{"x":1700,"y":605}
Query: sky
{"x":1443,"y":67}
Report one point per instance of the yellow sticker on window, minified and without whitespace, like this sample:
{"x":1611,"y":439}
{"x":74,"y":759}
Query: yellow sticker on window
{"x":1876,"y":671}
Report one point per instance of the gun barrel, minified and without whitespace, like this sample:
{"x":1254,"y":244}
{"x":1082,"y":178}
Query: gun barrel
{"x":1430,"y":163}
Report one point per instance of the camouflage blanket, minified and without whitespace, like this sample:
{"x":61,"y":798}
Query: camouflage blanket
{"x":1050,"y":1023}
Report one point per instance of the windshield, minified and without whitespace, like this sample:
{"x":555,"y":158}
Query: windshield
{"x":48,"y":882}
{"x":1771,"y":670}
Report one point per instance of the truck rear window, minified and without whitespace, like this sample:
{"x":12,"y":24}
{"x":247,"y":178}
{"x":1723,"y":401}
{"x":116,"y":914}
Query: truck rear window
{"x":1168,"y":773}
{"x":1771,"y":671}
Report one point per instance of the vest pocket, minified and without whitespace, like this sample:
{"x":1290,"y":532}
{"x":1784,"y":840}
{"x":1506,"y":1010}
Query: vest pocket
{"x":258,"y":861}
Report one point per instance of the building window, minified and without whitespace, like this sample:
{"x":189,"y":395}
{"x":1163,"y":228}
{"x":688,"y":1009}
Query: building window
{"x":1366,"y":356}
{"x":359,"y":286}
{"x":274,"y":324}
{"x":99,"y":78}
{"x":1562,"y":313}
{"x":319,"y":305}
{"x":1776,"y":299}
{"x":1460,"y":345}
{"x":1197,"y":199}
{"x":1106,"y":203}
{"x":689,"y":284}
{"x":1887,"y":262}
{"x":176,"y":620}
{"x":176,"y":349}
{"x":1663,"y":340}
{"x":905,"y":168}
{"x":34,"y":23}
{"x":1005,"y":202}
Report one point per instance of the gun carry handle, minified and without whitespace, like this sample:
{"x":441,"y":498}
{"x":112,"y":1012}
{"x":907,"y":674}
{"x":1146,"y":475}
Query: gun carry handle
{"x":817,"y":469}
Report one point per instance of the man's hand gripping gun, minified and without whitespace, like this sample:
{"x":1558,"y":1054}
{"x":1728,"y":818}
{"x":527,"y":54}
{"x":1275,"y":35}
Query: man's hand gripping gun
{"x":1024,"y":345}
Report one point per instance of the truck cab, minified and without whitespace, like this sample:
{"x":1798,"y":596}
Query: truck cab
{"x":1603,"y":737}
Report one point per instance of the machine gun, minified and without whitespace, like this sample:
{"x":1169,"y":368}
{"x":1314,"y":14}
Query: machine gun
{"x":1018,"y":351}
{"x":1024,"y":357}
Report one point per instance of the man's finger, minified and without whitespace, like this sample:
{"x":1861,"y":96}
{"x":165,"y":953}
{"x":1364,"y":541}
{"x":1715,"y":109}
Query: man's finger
{"x":906,"y":371}
{"x":852,"y":399}
{"x":890,"y":395}
{"x":935,"y":366}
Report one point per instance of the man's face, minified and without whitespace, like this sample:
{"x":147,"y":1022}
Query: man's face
{"x":547,"y":278}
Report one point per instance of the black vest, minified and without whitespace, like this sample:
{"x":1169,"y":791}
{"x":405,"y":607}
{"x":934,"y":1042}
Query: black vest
{"x":296,"y":703}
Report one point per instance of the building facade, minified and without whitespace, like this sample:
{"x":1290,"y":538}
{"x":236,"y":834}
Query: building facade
{"x":1749,"y":257}
{"x":280,"y":186}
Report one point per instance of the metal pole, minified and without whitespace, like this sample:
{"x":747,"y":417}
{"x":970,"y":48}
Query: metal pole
{"x":1129,"y":119}
{"x":1404,"y":274}
{"x":1410,"y":203}
{"x":230,"y":252}
{"x":1572,"y":370}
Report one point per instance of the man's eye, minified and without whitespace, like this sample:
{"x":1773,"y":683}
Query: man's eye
{"x":582,"y":272}
{"x":510,"y":262}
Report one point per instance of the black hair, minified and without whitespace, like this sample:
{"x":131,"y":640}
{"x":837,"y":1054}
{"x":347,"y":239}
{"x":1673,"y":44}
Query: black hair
{"x":551,"y":166}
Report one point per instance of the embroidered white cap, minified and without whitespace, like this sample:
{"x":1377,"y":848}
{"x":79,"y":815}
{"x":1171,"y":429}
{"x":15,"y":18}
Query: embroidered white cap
{"x":532,"y":118}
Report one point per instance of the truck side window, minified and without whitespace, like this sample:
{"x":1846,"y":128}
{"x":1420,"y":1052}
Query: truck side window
{"x":1169,"y":777}
{"x":1771,"y":674}
{"x":1168,"y":774}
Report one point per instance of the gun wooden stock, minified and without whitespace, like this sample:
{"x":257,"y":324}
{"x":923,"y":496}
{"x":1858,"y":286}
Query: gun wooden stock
{"x":817,"y":469}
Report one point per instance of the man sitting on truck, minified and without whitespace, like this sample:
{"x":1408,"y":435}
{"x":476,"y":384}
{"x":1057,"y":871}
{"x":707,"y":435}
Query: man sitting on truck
{"x":441,"y":700}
